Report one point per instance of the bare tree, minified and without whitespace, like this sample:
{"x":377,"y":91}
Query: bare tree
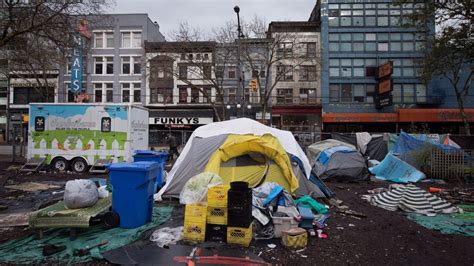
{"x":52,"y":20}
{"x":279,"y":53}
{"x":450,"y":51}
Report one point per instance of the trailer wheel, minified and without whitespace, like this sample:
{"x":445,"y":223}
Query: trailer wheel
{"x":60,"y":164}
{"x":79,"y":165}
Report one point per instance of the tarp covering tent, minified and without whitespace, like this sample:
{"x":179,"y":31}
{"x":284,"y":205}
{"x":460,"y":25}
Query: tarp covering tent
{"x":230,"y":149}
{"x":396,"y":170}
{"x":376,"y":148}
{"x":315,"y":149}
{"x":333,"y":163}
{"x":415,"y":149}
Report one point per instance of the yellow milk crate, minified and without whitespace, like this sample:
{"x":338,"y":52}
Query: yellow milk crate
{"x":217,"y":215}
{"x":196,"y":212}
{"x":194,"y":230}
{"x":239,"y":235}
{"x":217,"y":196}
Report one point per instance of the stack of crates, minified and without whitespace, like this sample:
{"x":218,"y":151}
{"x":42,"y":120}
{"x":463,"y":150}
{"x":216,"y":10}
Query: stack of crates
{"x":195,"y":222}
{"x":239,"y":208}
{"x":216,"y":227}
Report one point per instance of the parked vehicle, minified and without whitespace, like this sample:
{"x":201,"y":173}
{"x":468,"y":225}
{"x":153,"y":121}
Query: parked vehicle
{"x":74,"y":136}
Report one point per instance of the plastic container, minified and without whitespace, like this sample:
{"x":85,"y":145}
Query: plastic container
{"x":307,"y":217}
{"x":295,"y":238}
{"x":283,"y":224}
{"x":239,"y":185}
{"x":194,"y":230}
{"x":132,"y":197}
{"x":153,"y":156}
{"x":217,"y":196}
{"x":195,"y":211}
{"x":217,"y":215}
{"x":216,"y":232}
{"x":239,"y":235}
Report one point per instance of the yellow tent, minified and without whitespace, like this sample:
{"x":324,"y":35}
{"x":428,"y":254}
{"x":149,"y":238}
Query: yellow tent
{"x":239,"y":145}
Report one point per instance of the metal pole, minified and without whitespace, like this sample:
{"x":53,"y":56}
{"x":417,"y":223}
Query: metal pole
{"x":240,"y":90}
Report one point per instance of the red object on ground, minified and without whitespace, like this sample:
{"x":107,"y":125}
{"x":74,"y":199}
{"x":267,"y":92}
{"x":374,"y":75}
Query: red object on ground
{"x":434,"y":190}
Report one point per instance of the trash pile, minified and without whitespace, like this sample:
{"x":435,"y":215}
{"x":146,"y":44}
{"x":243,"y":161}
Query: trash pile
{"x":236,"y":214}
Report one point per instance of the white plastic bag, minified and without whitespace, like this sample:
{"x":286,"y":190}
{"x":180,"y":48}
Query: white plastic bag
{"x":80,"y":193}
{"x":103,"y":192}
{"x":167,"y":236}
{"x":195,"y":189}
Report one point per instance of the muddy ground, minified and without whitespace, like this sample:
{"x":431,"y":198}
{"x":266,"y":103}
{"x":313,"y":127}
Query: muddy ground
{"x":383,"y":237}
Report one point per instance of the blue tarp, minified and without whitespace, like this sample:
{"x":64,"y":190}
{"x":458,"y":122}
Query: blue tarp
{"x":407,"y":143}
{"x":396,"y":170}
{"x":325,"y":155}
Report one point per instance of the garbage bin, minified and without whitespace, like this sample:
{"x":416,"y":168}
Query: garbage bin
{"x":153,"y":156}
{"x":132,"y":191}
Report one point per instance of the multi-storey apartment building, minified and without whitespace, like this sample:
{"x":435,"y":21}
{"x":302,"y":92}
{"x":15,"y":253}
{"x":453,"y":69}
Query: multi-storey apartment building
{"x":296,"y":77}
{"x":359,"y":37}
{"x":114,"y":59}
{"x":180,"y":88}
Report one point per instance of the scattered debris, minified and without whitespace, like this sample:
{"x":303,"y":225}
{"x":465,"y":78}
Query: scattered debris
{"x":14,"y":219}
{"x":32,"y":186}
{"x":271,"y":245}
{"x":351,"y":225}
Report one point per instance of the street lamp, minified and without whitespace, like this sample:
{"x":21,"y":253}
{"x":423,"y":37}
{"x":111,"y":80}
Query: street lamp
{"x":240,"y":90}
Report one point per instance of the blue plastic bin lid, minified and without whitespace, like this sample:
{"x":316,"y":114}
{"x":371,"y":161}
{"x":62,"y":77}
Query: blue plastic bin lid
{"x":145,"y":152}
{"x":148,"y":153}
{"x":134,"y":167}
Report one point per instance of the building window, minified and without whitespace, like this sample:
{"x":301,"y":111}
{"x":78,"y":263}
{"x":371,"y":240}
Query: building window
{"x":369,"y":93}
{"x":408,"y":93}
{"x":183,"y":72}
{"x":382,"y":47}
{"x":125,"y":65}
{"x":161,"y":95}
{"x":104,"y":65}
{"x":137,"y":65}
{"x":346,"y":93}
{"x":70,"y":94}
{"x":194,"y":95}
{"x":232,"y":95}
{"x":207,"y":72}
{"x":334,"y":93}
{"x":207,"y":95}
{"x":308,"y":73}
{"x":131,"y":65}
{"x":285,"y":73}
{"x":131,"y":39}
{"x":262,"y":71}
{"x":359,"y":93}
{"x":98,"y":92}
{"x":285,"y":50}
{"x":231,"y":71}
{"x":99,"y":38}
{"x":311,"y":49}
{"x":126,"y":92}
{"x":98,"y":65}
{"x":308,"y":96}
{"x":109,"y":92}
{"x":219,"y":71}
{"x":285,"y":96}
{"x":137,"y":93}
{"x":183,"y":95}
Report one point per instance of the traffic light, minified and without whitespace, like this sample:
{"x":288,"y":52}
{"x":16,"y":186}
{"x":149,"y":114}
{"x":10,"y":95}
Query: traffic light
{"x":253,"y":85}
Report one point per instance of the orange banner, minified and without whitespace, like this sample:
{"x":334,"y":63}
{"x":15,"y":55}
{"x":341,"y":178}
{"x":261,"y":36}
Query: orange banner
{"x":434,"y":115}
{"x":359,"y":117}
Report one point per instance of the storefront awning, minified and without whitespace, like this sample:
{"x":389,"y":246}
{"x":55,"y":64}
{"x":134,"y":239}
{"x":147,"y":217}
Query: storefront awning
{"x":434,"y":115}
{"x":359,"y":117}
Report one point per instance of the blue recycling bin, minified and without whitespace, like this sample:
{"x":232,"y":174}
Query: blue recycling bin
{"x":153,"y":156}
{"x":132,"y":191}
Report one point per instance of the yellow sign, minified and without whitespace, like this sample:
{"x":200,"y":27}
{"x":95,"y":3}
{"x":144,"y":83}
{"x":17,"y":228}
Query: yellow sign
{"x":254,"y":85}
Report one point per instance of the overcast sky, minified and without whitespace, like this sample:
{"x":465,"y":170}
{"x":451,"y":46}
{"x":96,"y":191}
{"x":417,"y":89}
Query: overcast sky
{"x":208,"y":14}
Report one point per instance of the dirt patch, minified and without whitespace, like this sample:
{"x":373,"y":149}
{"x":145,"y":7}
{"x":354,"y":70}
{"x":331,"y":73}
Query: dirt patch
{"x":383,"y":237}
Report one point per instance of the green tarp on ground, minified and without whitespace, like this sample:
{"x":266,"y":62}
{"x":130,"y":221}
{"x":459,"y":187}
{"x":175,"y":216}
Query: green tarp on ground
{"x":459,"y":223}
{"x":29,"y":250}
